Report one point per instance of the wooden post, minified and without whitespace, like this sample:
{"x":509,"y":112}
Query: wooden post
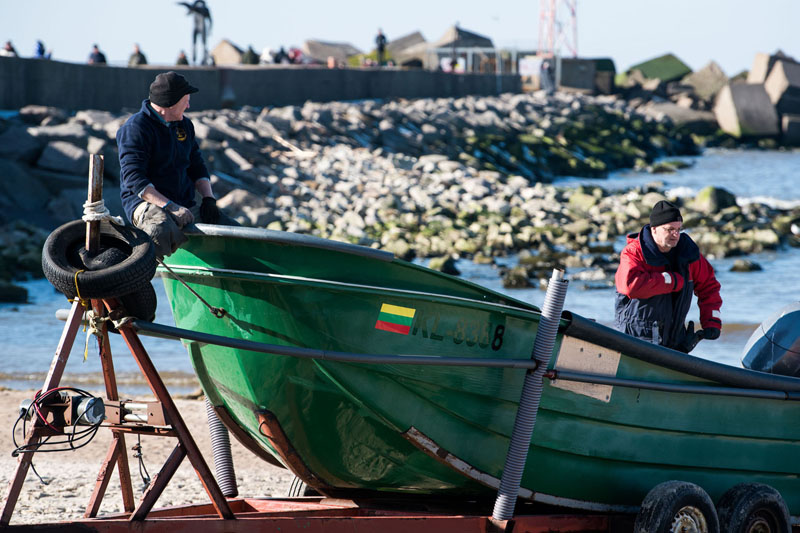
{"x":95,"y":195}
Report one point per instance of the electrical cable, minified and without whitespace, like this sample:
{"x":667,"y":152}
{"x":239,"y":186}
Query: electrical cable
{"x":137,"y":448}
{"x":75,"y":440}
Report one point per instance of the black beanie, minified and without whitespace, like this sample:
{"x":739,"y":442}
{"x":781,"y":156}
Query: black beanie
{"x":664,"y":212}
{"x":168,"y":88}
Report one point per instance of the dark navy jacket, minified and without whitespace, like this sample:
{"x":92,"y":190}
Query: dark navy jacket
{"x":164,"y":155}
{"x":652,"y":294}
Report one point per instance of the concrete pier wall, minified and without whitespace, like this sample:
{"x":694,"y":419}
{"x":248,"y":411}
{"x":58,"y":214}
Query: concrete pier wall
{"x":73,"y":86}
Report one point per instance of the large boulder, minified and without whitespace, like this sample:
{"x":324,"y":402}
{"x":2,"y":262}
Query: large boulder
{"x":18,"y":145}
{"x":744,"y":109}
{"x":707,"y":81}
{"x":712,"y":200}
{"x":790,"y":130}
{"x":783,"y":87}
{"x":64,"y":157}
{"x":696,"y":121}
{"x":40,"y":114}
{"x":22,"y":196}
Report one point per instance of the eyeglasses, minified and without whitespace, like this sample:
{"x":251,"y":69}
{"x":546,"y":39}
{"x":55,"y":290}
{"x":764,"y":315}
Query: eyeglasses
{"x":671,"y":231}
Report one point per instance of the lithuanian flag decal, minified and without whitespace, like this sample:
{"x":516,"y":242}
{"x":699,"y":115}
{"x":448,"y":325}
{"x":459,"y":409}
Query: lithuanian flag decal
{"x":395,"y":319}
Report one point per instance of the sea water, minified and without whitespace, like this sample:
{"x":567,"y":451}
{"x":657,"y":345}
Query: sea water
{"x":29,"y":333}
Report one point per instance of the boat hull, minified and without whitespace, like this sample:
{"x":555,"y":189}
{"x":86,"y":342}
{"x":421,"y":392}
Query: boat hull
{"x":441,"y":430}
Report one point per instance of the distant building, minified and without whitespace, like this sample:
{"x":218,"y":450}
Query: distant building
{"x":408,"y":50}
{"x":665,"y":68}
{"x":227,"y":53}
{"x":320,"y":51}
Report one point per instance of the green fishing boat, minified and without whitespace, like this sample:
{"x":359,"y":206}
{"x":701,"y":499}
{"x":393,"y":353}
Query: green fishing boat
{"x":618,"y":416}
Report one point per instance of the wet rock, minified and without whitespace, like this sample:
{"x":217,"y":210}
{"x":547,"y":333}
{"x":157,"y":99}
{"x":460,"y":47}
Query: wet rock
{"x":713,"y":199}
{"x":12,"y":293}
{"x":516,"y":278}
{"x":444,"y":264}
{"x":745,"y":265}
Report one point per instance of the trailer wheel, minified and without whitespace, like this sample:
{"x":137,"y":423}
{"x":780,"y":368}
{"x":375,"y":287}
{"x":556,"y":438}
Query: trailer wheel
{"x":753,"y":508}
{"x":677,"y":506}
{"x":61,"y":260}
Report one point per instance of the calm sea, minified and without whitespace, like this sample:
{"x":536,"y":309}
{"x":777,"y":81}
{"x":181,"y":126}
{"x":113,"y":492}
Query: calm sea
{"x":29,"y":333}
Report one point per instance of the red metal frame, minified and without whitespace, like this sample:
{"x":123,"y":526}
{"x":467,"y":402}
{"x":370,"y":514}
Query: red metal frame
{"x":117,"y":454}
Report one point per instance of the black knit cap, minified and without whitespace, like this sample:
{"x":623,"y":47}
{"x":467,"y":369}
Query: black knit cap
{"x":664,"y":212}
{"x":168,"y":88}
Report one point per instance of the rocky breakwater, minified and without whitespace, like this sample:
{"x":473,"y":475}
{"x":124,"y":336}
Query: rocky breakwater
{"x":424,"y":178}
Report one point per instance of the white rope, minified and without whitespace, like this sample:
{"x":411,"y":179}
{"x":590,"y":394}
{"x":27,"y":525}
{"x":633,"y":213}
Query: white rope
{"x":96,"y":211}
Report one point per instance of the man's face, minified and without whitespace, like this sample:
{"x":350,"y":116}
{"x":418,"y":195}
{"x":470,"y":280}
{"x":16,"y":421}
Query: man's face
{"x":667,"y":235}
{"x":176,"y":112}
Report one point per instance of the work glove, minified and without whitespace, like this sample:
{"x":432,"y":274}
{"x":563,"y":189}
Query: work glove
{"x":711,"y":333}
{"x":209,"y":212}
{"x":181,"y":215}
{"x":690,"y":338}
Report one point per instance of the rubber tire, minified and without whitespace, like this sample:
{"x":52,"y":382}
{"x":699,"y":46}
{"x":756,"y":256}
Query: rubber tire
{"x":663,"y":503}
{"x":141,"y":303}
{"x":299,"y":488}
{"x":743,"y":505}
{"x":61,"y":260}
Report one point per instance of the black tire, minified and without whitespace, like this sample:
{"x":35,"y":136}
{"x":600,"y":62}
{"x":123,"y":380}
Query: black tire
{"x":299,"y":488}
{"x":677,"y":506}
{"x":61,"y":259}
{"x":141,"y":303}
{"x":753,"y":508}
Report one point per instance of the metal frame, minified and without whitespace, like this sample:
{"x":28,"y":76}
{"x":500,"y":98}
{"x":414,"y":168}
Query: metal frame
{"x":117,"y":454}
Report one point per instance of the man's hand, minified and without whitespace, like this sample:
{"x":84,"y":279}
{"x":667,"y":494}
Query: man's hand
{"x":209,"y":212}
{"x":690,"y":338}
{"x":711,"y":333}
{"x":182,"y":215}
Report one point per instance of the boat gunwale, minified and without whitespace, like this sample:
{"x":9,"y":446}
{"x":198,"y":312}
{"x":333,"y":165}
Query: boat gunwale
{"x":203,"y":271}
{"x":588,"y":330}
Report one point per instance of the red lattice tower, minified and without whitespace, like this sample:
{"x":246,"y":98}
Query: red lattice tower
{"x":558,"y":27}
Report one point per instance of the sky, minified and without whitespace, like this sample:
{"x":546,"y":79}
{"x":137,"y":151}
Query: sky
{"x":729,"y":32}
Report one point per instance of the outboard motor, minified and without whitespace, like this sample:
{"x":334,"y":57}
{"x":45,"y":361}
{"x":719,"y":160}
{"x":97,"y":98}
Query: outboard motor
{"x":774,"y":346}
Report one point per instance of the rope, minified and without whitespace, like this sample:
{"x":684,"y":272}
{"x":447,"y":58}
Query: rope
{"x":96,"y":211}
{"x":218,"y":312}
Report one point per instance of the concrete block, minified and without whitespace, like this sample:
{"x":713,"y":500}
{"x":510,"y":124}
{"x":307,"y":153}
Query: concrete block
{"x":707,"y":81}
{"x":695,"y":121}
{"x":744,"y":110}
{"x":763,"y":64}
{"x":790,"y":130}
{"x":783,"y":87}
{"x":18,"y":145}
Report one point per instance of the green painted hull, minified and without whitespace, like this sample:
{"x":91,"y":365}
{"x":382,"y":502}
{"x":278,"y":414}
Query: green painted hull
{"x":349,"y":424}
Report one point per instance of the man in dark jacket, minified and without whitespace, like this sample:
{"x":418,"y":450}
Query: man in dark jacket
{"x":659,"y":269}
{"x":161,"y":167}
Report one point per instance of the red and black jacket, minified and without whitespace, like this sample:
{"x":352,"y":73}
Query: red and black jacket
{"x":654,"y":296}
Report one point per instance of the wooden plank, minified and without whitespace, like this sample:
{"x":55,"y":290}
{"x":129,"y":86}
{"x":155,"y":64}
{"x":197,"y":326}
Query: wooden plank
{"x":95,"y":195}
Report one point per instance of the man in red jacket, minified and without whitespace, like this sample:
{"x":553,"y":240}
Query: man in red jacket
{"x":659,"y":269}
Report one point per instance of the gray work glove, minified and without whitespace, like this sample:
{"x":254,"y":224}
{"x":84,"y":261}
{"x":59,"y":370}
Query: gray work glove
{"x":181,"y":215}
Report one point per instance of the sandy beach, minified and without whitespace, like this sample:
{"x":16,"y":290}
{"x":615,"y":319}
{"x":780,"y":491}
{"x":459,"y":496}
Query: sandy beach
{"x":71,"y":475}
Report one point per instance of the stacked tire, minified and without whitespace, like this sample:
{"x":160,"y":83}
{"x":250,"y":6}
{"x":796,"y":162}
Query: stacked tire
{"x":122,"y":268}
